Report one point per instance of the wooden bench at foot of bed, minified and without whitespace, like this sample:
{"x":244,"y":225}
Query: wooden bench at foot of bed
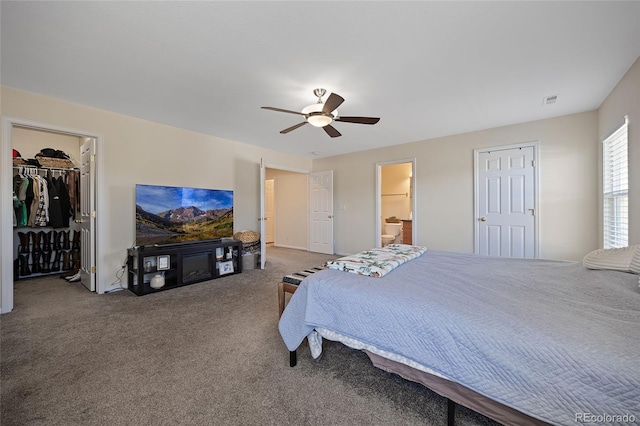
{"x":290,"y":283}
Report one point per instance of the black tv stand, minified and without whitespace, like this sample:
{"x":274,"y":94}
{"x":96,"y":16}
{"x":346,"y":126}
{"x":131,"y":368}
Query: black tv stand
{"x":181,"y":264}
{"x":185,"y":243}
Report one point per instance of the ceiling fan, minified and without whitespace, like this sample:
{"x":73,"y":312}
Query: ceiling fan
{"x":322,"y":114}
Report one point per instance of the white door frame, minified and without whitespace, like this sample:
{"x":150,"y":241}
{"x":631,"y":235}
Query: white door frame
{"x":269,"y":216}
{"x":414,"y":193}
{"x":263,"y":167}
{"x":6,"y":179}
{"x":261,"y":219}
{"x":536,"y":186}
{"x":87,"y":219}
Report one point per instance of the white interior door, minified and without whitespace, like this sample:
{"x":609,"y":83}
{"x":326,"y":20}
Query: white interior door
{"x":505,"y":206}
{"x":321,"y":212}
{"x":261,"y":221}
{"x":269,"y":187}
{"x":87,"y":214}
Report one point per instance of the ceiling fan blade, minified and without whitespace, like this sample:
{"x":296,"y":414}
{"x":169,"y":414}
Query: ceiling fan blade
{"x":283,"y":110}
{"x":333,"y":102}
{"x":287,"y":130}
{"x":331,"y":131}
{"x":359,"y":120}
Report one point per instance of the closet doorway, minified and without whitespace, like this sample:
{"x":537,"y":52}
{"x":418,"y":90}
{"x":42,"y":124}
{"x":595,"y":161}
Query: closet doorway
{"x":396,"y":202}
{"x":77,"y":242}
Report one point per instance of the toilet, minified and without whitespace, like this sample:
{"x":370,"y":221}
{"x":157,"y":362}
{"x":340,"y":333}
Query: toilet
{"x":391,"y":233}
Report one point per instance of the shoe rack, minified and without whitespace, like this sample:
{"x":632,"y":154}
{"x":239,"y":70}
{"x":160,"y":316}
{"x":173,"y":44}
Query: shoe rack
{"x":46,"y":251}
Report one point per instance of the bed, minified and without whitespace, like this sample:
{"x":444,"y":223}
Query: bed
{"x":521,"y":341}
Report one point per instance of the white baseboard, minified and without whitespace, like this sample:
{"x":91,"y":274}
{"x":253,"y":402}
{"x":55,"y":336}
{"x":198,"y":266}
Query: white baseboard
{"x":290,"y":247}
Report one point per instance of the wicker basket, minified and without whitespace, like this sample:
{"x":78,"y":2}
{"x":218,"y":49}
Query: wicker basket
{"x":247,"y":236}
{"x":56,"y":163}
{"x":251,"y":247}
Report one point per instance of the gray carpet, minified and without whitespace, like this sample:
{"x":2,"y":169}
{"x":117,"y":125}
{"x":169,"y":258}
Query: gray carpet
{"x":204,"y":354}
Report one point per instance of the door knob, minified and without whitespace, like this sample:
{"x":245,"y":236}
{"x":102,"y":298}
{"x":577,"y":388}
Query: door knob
{"x":483,"y":219}
{"x":330,"y":216}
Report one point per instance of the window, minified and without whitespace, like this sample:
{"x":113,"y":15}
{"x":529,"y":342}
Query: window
{"x":615,"y":189}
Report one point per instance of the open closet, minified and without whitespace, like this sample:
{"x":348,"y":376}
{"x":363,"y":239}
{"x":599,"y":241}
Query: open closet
{"x":50,"y":145}
{"x":46,"y":203}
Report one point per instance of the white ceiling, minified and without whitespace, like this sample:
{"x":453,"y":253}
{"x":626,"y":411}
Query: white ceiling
{"x":428,"y":69}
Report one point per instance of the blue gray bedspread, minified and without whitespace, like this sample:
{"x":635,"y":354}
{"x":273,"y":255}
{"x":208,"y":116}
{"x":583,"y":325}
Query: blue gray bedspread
{"x":551,"y":339}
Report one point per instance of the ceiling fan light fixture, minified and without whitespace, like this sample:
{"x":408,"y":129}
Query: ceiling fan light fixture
{"x":316,"y":117}
{"x":322,"y":114}
{"x":319,"y":120}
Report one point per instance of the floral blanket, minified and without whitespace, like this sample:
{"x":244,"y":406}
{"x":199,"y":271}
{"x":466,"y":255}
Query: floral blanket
{"x":378,"y":261}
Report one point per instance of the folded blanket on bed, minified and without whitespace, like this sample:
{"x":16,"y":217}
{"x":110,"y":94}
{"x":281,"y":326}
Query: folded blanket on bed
{"x":378,"y":261}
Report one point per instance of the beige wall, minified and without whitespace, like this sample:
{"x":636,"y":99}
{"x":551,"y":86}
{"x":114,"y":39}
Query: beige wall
{"x":444,"y":187}
{"x":140,"y":151}
{"x":29,"y":142}
{"x":625,"y":100}
{"x":290,"y":208}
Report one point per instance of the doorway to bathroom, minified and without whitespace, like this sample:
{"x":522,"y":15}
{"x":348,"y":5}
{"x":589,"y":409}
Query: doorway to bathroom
{"x":396,"y":218}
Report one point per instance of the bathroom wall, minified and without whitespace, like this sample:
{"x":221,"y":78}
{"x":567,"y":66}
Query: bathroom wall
{"x":395,"y":188}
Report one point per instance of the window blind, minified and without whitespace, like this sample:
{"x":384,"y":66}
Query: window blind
{"x":615,"y":188}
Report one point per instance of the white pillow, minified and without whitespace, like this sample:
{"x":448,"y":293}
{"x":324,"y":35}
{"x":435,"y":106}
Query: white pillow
{"x":635,"y":261}
{"x":619,"y":259}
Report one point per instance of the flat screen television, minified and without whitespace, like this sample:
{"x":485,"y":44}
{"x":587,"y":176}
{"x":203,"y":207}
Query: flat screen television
{"x":170,"y":214}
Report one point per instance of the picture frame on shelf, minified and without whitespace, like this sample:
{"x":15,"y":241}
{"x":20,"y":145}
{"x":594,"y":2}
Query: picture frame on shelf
{"x":226,"y":267}
{"x":164,"y":262}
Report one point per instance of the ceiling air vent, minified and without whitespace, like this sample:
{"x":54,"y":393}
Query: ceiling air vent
{"x":548,"y":100}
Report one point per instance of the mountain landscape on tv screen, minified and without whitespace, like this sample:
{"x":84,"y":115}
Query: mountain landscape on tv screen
{"x":182,"y":224}
{"x":165,"y":215}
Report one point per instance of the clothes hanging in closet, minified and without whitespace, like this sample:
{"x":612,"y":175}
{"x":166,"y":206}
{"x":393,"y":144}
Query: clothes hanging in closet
{"x":73,"y":186}
{"x":44,"y":201}
{"x":55,"y":211}
{"x":19,"y":205}
{"x":65,"y":204}
{"x":41,"y":216}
